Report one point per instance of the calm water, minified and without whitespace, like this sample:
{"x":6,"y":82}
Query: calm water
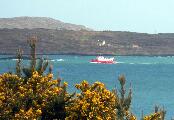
{"x":152,"y":78}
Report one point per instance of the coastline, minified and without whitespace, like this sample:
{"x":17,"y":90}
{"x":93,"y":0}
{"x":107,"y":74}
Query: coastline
{"x":26,"y":56}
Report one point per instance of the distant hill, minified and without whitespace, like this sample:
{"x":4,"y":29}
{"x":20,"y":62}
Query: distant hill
{"x":53,"y":41}
{"x":38,"y":22}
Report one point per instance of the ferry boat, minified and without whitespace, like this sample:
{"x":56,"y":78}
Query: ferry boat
{"x":101,"y":59}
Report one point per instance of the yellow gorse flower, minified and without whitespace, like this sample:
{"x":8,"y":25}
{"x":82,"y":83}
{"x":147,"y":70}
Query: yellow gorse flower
{"x":65,"y":84}
{"x":39,"y":112}
{"x":92,"y":103}
{"x":39,"y":89}
{"x":155,"y":116}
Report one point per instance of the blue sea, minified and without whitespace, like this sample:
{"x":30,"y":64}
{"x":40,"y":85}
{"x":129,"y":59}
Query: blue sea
{"x":151,"y":78}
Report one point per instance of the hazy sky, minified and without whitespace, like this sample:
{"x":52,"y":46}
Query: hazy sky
{"x":151,"y":16}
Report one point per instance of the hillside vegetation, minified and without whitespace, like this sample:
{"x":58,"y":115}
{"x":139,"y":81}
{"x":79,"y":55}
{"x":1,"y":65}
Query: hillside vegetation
{"x":52,"y":41}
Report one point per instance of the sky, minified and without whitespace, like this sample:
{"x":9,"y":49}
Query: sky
{"x":145,"y":16}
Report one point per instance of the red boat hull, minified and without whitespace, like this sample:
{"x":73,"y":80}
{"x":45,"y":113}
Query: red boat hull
{"x":104,"y":62}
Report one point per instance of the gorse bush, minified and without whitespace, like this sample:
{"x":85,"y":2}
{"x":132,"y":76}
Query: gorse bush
{"x":30,"y":100}
{"x":94,"y":102}
{"x":32,"y":94}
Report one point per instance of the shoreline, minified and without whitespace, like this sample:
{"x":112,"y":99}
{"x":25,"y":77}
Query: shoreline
{"x":25,"y":56}
{"x":86,"y":54}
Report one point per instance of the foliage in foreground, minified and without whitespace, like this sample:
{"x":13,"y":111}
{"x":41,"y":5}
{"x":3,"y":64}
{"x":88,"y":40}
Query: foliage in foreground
{"x":44,"y":98}
{"x":33,"y":94}
{"x":94,"y":102}
{"x":29,"y":100}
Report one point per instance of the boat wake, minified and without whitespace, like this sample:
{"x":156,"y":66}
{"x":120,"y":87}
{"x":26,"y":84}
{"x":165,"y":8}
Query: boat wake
{"x":134,"y":63}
